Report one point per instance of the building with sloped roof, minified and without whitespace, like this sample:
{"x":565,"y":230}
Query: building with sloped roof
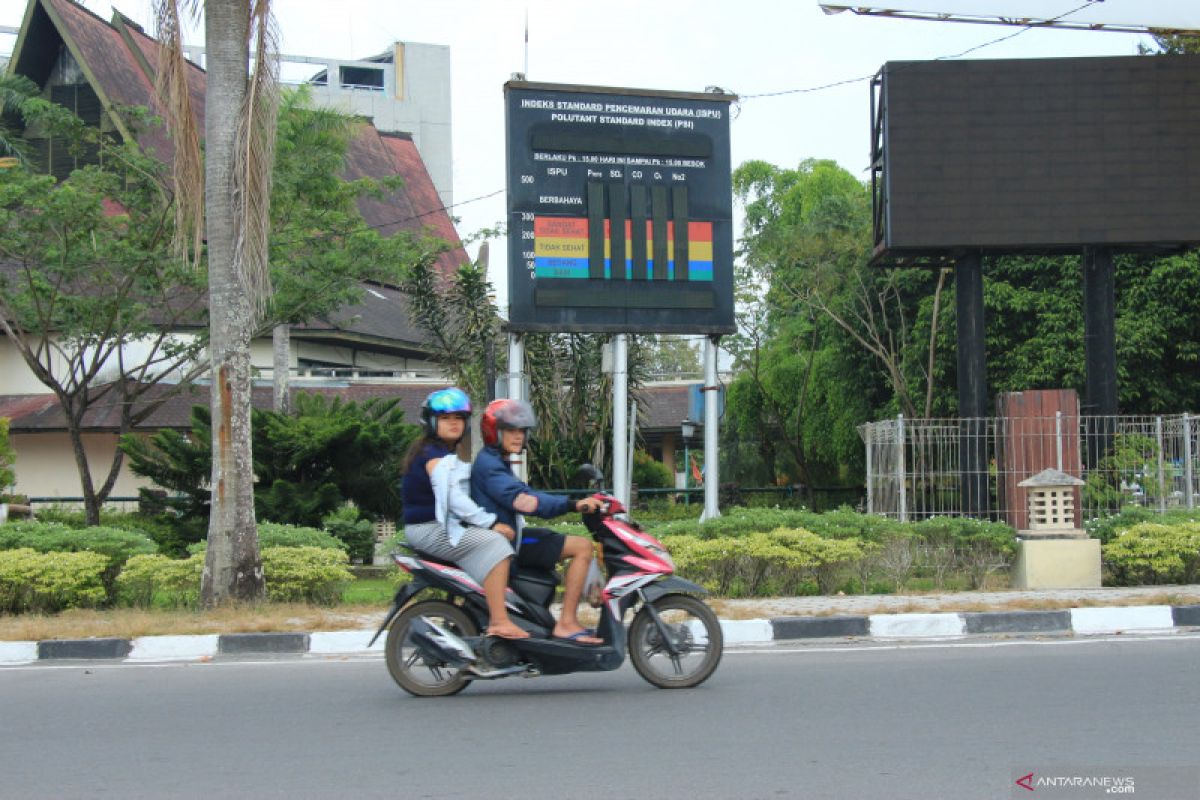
{"x":94,"y":67}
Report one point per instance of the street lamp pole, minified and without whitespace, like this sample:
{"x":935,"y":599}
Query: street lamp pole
{"x":688,"y":429}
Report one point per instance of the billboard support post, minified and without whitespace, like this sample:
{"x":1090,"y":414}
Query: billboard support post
{"x":712,"y":458}
{"x":620,"y":427}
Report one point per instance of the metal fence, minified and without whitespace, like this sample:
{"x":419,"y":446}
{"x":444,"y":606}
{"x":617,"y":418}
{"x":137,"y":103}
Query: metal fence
{"x":919,"y":468}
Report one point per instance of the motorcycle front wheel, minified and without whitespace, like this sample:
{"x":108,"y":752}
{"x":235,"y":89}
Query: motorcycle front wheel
{"x":414,"y":672}
{"x":694,"y":630}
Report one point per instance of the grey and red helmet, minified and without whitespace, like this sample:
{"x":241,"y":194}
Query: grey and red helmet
{"x":444,"y":401}
{"x":505,"y":413}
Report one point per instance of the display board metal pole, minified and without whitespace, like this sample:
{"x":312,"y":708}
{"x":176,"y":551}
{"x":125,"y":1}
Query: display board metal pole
{"x":712,"y":422}
{"x":620,"y":482}
{"x":516,"y":389}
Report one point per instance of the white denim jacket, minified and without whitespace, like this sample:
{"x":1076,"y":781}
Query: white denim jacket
{"x":452,"y":503}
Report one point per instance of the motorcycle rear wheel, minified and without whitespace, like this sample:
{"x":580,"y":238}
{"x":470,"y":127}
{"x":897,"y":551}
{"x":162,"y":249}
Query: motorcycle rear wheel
{"x":413,"y":671}
{"x":694,"y":629}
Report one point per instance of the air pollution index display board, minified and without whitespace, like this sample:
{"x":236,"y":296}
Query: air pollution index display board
{"x":620,"y":210}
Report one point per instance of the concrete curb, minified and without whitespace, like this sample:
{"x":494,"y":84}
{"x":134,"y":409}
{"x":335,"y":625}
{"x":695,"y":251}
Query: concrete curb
{"x":1117,"y":619}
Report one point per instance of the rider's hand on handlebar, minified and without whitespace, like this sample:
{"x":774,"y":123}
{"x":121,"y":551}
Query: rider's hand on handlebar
{"x":505,"y":530}
{"x":587,"y":505}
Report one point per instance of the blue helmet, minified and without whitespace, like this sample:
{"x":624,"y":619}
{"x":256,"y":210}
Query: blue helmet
{"x":444,"y":401}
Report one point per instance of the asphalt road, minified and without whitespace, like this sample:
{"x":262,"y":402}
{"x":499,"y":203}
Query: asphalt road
{"x":914,"y":721}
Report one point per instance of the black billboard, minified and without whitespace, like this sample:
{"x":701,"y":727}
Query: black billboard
{"x":1036,"y":154}
{"x":586,"y":162}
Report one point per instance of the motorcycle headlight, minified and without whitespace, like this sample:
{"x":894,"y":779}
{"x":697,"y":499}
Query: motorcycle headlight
{"x":662,"y":554}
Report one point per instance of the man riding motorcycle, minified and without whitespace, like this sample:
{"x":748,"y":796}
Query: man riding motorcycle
{"x":505,"y":427}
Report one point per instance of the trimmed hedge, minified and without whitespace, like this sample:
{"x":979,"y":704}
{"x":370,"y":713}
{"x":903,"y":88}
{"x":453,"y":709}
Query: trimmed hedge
{"x":46,"y":583}
{"x":1107,"y":528}
{"x":155,"y":581}
{"x":1153,"y":553}
{"x":274,"y":534}
{"x":116,"y":545}
{"x":305,"y":574}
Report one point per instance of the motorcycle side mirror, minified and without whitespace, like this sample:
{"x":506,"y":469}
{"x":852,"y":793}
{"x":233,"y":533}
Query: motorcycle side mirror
{"x":591,"y":473}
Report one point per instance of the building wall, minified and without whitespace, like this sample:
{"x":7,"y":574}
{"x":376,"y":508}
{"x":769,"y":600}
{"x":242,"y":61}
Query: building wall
{"x":45,"y":465}
{"x":415,"y":99}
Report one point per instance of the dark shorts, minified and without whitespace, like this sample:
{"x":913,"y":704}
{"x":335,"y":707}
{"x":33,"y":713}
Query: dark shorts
{"x":540,"y":547}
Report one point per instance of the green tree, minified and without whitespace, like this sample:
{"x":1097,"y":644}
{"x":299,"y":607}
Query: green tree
{"x":89,"y":297}
{"x":8,"y":457}
{"x":308,"y":463}
{"x":671,"y":356}
{"x":15,"y":93}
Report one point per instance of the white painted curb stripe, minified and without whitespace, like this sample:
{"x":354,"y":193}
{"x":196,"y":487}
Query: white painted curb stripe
{"x":917,"y":625}
{"x":18,"y":652}
{"x":345,"y":642}
{"x":1111,"y":620}
{"x":173,"y":648}
{"x":741,"y":631}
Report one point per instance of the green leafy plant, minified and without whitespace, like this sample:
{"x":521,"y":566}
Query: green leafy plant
{"x":8,"y":457}
{"x":1152,"y":553}
{"x":356,"y":533}
{"x":305,"y":574}
{"x":273,"y":534}
{"x":1129,"y":463}
{"x":116,"y":546}
{"x":47,"y":583}
{"x":157,"y":581}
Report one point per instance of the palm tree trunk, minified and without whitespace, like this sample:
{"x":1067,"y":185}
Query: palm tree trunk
{"x":281,"y":340}
{"x":232,"y":569}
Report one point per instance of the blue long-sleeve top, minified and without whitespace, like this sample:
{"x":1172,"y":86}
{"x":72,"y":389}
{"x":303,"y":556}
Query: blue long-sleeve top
{"x":495,"y":488}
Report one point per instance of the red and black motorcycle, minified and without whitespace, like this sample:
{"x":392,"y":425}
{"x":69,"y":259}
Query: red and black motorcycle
{"x":434,"y":646}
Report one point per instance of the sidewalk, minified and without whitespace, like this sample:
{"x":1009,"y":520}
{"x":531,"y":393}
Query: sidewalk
{"x":1063,"y":612}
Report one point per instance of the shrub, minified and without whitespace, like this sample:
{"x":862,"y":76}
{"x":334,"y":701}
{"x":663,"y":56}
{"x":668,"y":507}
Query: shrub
{"x":305,"y":574}
{"x":1107,"y":528}
{"x":50,"y":582}
{"x":650,"y":474}
{"x":117,"y":546}
{"x":166,"y":530}
{"x":8,"y":457}
{"x":1155,"y":553}
{"x":274,"y":534}
{"x":358,"y":535}
{"x":160,"y":582}
{"x":780,"y":561}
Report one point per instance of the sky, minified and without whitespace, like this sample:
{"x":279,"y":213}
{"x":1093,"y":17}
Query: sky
{"x":762,"y":50}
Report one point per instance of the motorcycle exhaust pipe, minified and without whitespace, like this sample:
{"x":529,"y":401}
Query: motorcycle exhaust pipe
{"x":436,"y":641}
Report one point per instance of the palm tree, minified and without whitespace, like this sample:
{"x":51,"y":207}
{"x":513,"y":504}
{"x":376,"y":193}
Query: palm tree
{"x":15,"y":91}
{"x":229,"y":200}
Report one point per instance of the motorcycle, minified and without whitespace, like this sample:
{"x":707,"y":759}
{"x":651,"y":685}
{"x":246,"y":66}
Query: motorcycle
{"x":434,"y":647}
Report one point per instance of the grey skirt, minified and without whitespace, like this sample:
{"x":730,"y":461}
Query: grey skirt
{"x":478,"y":551}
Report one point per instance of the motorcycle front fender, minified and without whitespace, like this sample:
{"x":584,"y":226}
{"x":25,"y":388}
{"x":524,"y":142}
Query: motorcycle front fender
{"x":672,"y":584}
{"x":405,"y":593}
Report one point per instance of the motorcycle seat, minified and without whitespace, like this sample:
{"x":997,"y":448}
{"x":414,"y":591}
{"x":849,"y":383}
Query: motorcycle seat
{"x":528,"y":574}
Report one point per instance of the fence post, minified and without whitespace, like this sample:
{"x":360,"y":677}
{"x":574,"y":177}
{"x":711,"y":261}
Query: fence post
{"x":900,"y":467}
{"x":870,"y":456}
{"x":1162,"y":478}
{"x":1187,"y":462}
{"x":1058,"y":438}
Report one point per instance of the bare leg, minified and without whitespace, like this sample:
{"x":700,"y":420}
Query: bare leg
{"x":493,"y":589}
{"x":579,"y":550}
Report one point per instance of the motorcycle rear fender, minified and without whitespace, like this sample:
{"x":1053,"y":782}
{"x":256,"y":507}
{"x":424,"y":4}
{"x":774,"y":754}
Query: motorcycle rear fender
{"x":672,"y":584}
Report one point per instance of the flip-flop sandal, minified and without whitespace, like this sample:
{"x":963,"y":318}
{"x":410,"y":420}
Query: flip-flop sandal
{"x":502,"y":636}
{"x":574,"y":638}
